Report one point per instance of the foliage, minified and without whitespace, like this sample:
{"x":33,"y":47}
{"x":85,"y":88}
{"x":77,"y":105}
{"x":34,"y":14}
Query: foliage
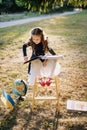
{"x":0,"y":1}
{"x":43,"y":6}
{"x":8,"y":6}
{"x":77,"y":3}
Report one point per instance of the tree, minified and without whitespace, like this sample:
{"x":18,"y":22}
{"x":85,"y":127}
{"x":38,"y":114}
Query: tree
{"x":9,"y":6}
{"x":77,"y":3}
{"x":0,"y":1}
{"x":45,"y":6}
{"x":42,"y":6}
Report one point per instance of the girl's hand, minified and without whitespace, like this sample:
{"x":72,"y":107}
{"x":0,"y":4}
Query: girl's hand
{"x":45,"y":62}
{"x":25,"y":58}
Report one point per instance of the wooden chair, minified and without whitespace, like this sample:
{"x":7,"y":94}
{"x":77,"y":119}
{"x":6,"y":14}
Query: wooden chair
{"x":52,"y":69}
{"x":46,"y":84}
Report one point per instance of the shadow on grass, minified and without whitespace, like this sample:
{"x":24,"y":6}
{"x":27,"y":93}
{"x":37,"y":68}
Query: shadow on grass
{"x":76,"y":127}
{"x":77,"y":113}
{"x":10,"y":120}
{"x":40,"y":118}
{"x":55,"y":121}
{"x":44,"y":121}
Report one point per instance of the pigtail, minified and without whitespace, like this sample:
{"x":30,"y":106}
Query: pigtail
{"x":45,"y":45}
{"x":32,"y":45}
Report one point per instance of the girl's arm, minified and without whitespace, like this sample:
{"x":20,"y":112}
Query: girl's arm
{"x":51,"y":51}
{"x":25,"y":51}
{"x":25,"y":48}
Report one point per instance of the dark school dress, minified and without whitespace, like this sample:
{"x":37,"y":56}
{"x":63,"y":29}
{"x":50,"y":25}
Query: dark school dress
{"x":39,"y":50}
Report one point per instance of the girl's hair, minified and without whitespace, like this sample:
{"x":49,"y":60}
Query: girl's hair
{"x":38,"y":31}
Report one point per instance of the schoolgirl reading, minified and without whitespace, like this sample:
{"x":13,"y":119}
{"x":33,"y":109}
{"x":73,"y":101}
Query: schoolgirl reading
{"x":39,"y":67}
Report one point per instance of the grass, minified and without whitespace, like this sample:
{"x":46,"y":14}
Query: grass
{"x":67,"y":36}
{"x":8,"y":17}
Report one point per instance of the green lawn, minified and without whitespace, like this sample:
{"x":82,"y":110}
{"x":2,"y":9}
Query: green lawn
{"x":67,"y":36}
{"x":16,"y":16}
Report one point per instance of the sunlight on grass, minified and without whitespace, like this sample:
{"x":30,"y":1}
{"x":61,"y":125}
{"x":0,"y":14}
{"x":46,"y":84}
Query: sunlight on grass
{"x":67,"y":36}
{"x":66,"y":29}
{"x":7,"y":17}
{"x":72,"y":28}
{"x":65,"y":26}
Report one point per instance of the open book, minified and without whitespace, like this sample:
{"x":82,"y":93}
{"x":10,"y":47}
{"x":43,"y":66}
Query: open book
{"x":45,"y":57}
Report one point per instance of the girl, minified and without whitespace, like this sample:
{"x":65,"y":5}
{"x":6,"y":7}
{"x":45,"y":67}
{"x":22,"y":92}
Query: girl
{"x":39,"y":46}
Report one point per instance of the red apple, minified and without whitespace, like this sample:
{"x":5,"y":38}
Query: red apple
{"x":42,"y":83}
{"x":48,"y":82}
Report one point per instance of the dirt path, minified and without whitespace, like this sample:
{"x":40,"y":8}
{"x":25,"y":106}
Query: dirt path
{"x":27,"y":20}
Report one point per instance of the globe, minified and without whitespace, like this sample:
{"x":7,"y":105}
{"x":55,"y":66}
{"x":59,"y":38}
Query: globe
{"x":20,"y":87}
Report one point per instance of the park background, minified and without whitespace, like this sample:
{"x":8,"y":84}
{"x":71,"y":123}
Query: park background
{"x":68,"y":36}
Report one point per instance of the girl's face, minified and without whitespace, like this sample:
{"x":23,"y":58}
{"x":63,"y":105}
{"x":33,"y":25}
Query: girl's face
{"x":36,"y":39}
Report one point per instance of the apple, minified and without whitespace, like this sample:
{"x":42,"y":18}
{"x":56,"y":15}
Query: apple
{"x":48,"y":82}
{"x":42,"y":83}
